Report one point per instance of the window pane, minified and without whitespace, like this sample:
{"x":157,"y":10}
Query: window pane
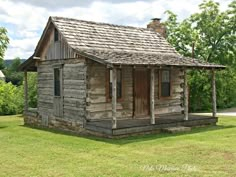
{"x":165,"y":83}
{"x":57,"y":89}
{"x":165,"y":89}
{"x":118,"y":75}
{"x":56,"y":35}
{"x":165,"y":76}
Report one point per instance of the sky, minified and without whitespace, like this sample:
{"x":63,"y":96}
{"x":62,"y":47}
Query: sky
{"x":26,"y":19}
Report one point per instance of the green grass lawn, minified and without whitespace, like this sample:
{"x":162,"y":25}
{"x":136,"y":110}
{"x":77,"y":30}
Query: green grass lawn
{"x":26,"y":151}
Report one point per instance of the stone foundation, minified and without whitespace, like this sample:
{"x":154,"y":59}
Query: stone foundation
{"x":65,"y":125}
{"x":33,"y":119}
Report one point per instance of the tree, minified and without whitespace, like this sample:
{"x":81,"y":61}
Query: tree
{"x":32,"y":87}
{"x":12,"y":74}
{"x":4,"y":40}
{"x":212,"y":33}
{"x":11,"y":99}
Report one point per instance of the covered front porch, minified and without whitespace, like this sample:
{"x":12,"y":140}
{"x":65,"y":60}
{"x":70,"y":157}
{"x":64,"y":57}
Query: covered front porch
{"x":153,"y":111}
{"x":126,"y":127}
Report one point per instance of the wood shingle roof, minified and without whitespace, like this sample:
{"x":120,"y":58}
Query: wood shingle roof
{"x":122,"y":45}
{"x":91,"y":35}
{"x":152,"y":59}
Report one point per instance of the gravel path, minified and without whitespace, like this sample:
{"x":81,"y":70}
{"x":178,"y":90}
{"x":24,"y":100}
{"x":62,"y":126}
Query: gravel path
{"x":225,"y":112}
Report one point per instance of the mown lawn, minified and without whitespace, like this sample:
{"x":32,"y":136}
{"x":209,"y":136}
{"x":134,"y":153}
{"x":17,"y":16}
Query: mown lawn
{"x":32,"y":152}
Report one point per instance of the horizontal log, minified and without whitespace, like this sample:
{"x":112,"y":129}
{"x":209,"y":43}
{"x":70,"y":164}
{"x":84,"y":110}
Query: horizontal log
{"x":75,"y":76}
{"x":76,"y":82}
{"x":74,"y":92}
{"x":74,"y":113}
{"x":71,"y":95}
{"x":45,"y":91}
{"x":108,"y":115}
{"x":44,"y":104}
{"x":43,"y":110}
{"x":75,"y":105}
{"x":97,"y":90}
{"x":75,"y":87}
{"x":172,"y":109}
{"x":96,"y":99}
{"x":72,"y":108}
{"x":75,"y":66}
{"x":102,"y":107}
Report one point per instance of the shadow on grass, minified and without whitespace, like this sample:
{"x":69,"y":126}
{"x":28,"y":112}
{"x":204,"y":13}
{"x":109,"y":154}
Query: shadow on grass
{"x":134,"y":138}
{"x":1,"y":127}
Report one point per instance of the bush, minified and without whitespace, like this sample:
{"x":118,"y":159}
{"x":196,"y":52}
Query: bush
{"x":11,"y":99}
{"x":32,"y":89}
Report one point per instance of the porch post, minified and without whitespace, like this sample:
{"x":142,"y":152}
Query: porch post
{"x":114,"y":98}
{"x":26,"y":90}
{"x":152,"y":101}
{"x":213,"y":94}
{"x":185,"y":96}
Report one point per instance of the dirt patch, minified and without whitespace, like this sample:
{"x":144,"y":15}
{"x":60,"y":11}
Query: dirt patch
{"x":229,"y":156}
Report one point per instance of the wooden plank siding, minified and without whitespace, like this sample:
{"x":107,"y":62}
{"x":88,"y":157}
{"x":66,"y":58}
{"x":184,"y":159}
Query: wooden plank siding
{"x":74,"y":88}
{"x":57,"y":49}
{"x":45,"y":89}
{"x":97,"y":105}
{"x":174,"y":103}
{"x":99,"y":108}
{"x":75,"y":91}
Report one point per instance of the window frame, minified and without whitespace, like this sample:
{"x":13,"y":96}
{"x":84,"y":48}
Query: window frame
{"x":60,"y":82}
{"x":108,"y":98}
{"x":56,"y":35}
{"x":160,"y":84}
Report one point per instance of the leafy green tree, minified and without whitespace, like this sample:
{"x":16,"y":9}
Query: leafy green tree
{"x":11,"y":99}
{"x":4,"y":40}
{"x":32,"y":88}
{"x":212,"y":34}
{"x":12,"y":74}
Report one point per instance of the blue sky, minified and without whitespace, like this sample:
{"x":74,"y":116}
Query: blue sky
{"x":26,"y":19}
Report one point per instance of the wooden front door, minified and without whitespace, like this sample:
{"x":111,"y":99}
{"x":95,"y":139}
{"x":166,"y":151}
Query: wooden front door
{"x":141,"y":92}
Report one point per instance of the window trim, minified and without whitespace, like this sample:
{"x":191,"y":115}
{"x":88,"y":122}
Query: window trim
{"x":108,"y":99}
{"x":60,"y":75}
{"x":160,"y":82}
{"x":56,"y":35}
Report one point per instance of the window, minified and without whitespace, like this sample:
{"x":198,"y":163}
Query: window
{"x":165,"y":83}
{"x":56,"y":35}
{"x":57,"y":82}
{"x":118,"y":84}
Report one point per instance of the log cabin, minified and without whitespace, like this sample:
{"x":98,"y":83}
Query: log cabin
{"x":111,"y":80}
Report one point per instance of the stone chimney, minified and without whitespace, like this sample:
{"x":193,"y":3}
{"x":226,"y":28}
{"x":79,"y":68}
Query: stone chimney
{"x":157,"y":26}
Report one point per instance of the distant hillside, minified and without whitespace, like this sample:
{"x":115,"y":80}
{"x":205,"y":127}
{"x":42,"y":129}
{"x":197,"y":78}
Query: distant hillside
{"x":9,"y":61}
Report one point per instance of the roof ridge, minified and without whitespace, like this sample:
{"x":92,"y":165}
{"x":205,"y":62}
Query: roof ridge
{"x":130,"y":52}
{"x":100,"y":23}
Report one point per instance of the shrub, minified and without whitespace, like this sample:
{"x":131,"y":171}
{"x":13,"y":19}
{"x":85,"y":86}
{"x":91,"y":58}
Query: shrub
{"x":11,"y":99}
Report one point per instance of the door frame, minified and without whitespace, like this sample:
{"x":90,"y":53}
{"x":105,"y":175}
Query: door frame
{"x":134,"y":94}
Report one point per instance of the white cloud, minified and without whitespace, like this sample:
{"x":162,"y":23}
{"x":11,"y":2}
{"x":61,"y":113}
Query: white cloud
{"x":25,"y":20}
{"x":22,"y":48}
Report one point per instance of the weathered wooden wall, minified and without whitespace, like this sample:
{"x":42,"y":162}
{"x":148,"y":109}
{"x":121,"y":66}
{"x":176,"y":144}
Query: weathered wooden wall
{"x":99,"y":108}
{"x":97,"y":105}
{"x":57,"y":49}
{"x":174,"y":103}
{"x":45,"y":89}
{"x":74,"y":89}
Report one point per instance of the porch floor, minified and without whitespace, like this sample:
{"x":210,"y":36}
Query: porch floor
{"x":134,"y":126}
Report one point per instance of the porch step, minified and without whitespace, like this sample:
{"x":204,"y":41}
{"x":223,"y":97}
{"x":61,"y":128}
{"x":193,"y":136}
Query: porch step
{"x":178,"y":129}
